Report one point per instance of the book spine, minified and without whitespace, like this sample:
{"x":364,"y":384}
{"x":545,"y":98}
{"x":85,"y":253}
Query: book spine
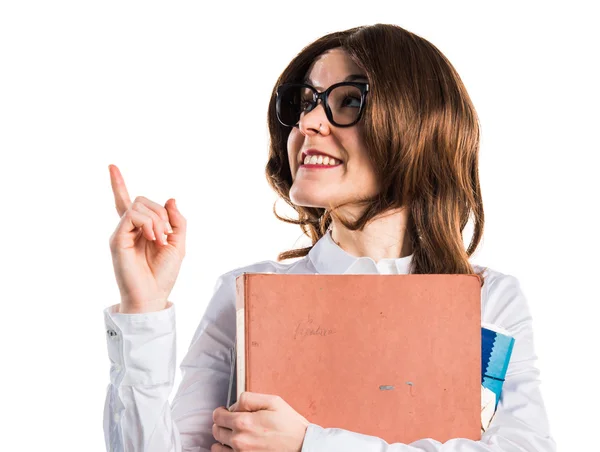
{"x":241,"y":292}
{"x":240,"y":355}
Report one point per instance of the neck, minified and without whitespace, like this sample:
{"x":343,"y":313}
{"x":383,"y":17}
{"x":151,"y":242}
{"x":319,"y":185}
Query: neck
{"x":385,"y":237}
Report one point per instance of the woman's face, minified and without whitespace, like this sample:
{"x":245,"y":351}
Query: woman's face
{"x":324,"y":185}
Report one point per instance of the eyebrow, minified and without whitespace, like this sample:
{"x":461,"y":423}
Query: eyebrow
{"x":350,"y":78}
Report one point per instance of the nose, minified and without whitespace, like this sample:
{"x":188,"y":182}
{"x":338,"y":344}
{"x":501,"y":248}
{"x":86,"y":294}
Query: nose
{"x":310,"y":122}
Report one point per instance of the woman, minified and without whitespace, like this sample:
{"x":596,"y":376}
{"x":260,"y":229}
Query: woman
{"x":382,"y":171}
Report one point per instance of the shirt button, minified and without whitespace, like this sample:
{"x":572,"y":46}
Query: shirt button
{"x":116,"y":417}
{"x":111,"y":333}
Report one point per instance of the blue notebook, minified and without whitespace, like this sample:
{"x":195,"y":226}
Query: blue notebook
{"x":496,"y":349}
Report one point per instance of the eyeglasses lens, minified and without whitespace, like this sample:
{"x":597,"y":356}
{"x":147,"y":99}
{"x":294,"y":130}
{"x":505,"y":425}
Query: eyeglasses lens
{"x":344,"y":102}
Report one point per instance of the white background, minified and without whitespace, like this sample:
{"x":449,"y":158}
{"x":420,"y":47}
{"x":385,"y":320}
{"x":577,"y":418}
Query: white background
{"x":176,"y":95}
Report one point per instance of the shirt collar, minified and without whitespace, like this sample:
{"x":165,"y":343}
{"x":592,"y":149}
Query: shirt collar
{"x":329,"y":258}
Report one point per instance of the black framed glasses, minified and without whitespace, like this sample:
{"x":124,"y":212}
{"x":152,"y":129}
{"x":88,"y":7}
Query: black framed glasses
{"x":344,"y":102}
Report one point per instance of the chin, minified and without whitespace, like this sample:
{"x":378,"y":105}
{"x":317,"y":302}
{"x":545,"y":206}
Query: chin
{"x":304,"y":199}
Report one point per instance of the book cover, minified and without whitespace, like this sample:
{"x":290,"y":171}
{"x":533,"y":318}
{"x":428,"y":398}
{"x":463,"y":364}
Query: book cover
{"x":394,"y":356}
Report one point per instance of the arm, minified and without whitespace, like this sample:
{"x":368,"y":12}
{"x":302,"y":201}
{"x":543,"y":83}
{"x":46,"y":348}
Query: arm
{"x":520,"y":423}
{"x":141,"y":348}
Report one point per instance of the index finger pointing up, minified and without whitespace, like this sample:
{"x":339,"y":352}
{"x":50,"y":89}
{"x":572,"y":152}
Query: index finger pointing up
{"x":122,"y":200}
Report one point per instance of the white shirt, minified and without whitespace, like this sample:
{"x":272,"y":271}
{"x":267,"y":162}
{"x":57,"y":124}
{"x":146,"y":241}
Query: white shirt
{"x":141,"y":348}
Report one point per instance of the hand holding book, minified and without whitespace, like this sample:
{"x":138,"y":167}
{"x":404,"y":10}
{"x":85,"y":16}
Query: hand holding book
{"x":260,"y":422}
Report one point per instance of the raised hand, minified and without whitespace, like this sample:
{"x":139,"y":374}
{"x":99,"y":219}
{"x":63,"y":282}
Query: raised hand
{"x":146,"y":268}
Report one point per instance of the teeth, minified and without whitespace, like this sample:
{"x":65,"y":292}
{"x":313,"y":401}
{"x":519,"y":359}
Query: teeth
{"x":320,"y":160}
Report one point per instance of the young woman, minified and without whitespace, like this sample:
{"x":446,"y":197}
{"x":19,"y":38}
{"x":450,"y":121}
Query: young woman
{"x":374,"y":142}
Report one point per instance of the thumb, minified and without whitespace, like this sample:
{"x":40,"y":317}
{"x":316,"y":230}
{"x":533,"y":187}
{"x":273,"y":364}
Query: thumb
{"x":178,"y":223}
{"x":253,"y":401}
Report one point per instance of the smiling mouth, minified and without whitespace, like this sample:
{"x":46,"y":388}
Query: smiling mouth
{"x":314,"y":159}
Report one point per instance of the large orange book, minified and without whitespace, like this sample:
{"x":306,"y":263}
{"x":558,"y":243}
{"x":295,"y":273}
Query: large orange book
{"x":393,"y":356}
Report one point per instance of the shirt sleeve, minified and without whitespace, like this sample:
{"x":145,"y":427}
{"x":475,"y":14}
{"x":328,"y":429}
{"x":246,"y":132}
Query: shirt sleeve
{"x":142,"y":349}
{"x":520,"y":423}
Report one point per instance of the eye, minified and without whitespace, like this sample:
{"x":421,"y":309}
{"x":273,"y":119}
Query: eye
{"x":304,"y":104}
{"x":351,"y":101}
{"x":306,"y":101}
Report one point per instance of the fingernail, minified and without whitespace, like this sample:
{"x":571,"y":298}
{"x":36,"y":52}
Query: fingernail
{"x":169,"y":228}
{"x":164,"y":239}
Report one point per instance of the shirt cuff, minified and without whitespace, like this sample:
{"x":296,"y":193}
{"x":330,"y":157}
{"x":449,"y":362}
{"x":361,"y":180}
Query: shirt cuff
{"x":141,"y":347}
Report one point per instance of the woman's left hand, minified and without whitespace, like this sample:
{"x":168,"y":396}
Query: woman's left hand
{"x":258,"y":422}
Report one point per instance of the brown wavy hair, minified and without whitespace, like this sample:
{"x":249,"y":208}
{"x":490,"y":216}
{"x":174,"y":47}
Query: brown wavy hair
{"x":422,"y":135}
